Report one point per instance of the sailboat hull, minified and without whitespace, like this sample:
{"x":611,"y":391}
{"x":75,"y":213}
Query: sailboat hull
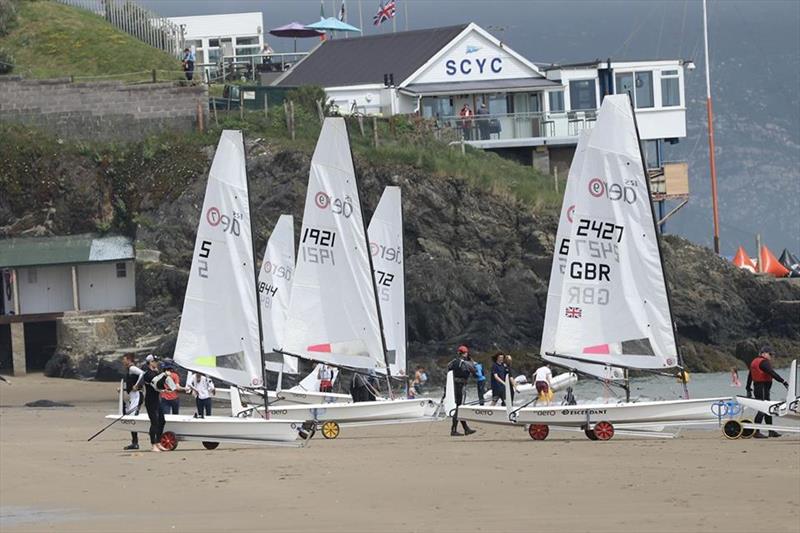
{"x":343,"y":413}
{"x":771,"y":408}
{"x":620,"y":413}
{"x":288,"y":396}
{"x":218,"y":428}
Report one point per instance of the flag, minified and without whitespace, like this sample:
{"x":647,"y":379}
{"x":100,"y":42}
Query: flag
{"x":342,"y":13}
{"x":385,"y":12}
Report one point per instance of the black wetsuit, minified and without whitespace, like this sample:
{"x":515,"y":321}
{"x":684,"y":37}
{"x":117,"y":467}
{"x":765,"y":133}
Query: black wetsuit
{"x":462,"y":369}
{"x":761,"y":389}
{"x":153,"y":405}
{"x":132,"y":378}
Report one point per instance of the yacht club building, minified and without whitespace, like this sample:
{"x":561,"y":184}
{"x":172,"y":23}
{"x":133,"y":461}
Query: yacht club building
{"x":535,"y":112}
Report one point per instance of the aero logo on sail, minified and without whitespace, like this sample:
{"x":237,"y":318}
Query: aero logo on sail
{"x":229,"y":224}
{"x":393,"y":255}
{"x":614,"y":191}
{"x":337,"y":205}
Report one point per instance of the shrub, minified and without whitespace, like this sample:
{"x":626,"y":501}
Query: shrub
{"x":8,"y":16}
{"x":6,"y":61}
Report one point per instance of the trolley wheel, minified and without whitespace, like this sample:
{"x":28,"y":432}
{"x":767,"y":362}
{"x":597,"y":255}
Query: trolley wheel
{"x":589,"y":433}
{"x":538,"y":431}
{"x":747,"y":432}
{"x":330,"y":429}
{"x":210,"y":445}
{"x":603,"y":430}
{"x":169,"y":440}
{"x":732,"y":429}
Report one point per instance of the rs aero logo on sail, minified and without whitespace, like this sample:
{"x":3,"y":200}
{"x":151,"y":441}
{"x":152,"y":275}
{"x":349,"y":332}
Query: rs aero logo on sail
{"x":229,"y":224}
{"x":614,"y":191}
{"x":336,"y":205}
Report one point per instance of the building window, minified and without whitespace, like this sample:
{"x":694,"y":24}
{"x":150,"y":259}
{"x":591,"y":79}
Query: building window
{"x":670,"y":89}
{"x":582,"y":95}
{"x":556,"y":101}
{"x":644,"y":89}
{"x":32,"y":276}
{"x":624,"y":84}
{"x":498,"y":104}
{"x":122,"y":270}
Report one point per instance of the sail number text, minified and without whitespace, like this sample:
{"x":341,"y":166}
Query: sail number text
{"x":384,"y":282}
{"x":317,"y":246}
{"x":599,"y":230}
{"x":202,"y":263}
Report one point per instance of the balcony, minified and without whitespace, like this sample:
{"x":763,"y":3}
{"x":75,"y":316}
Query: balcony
{"x":518,"y":129}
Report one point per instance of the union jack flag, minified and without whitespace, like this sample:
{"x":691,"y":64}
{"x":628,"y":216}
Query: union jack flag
{"x":385,"y":12}
{"x":573,"y":312}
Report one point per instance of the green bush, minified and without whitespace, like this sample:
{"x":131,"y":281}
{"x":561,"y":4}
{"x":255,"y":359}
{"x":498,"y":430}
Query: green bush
{"x":8,"y":16}
{"x":6,"y":61}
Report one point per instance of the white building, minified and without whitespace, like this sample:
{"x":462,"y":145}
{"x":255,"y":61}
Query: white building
{"x":218,"y":36}
{"x":535,"y":112}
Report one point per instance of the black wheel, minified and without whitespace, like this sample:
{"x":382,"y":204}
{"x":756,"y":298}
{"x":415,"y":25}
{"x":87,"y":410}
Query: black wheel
{"x":732,"y":429}
{"x":590,"y":434}
{"x":330,"y":429}
{"x":210,"y":445}
{"x":747,"y":432}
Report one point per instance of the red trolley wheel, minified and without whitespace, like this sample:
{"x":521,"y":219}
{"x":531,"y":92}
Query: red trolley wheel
{"x":210,"y":445}
{"x":603,"y":430}
{"x":538,"y":431}
{"x":169,"y":440}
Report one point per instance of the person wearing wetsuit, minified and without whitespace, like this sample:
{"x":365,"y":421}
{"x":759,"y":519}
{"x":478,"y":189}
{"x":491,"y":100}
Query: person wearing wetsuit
{"x":462,"y":369}
{"x":152,"y":402}
{"x":760,"y":379}
{"x":133,"y":386}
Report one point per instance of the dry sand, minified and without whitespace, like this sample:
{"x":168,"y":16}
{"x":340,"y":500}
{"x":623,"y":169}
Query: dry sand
{"x":411,"y":477}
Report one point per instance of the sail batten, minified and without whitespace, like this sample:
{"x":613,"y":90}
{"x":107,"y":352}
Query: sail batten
{"x":219,"y":329}
{"x":607,"y":298}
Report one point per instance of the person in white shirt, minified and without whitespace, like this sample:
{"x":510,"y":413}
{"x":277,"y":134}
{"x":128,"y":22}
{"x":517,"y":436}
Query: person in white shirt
{"x":203,"y":389}
{"x":325,"y":377}
{"x":542,"y":380}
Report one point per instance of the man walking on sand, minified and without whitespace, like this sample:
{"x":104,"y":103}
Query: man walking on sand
{"x":543,"y":381}
{"x":760,"y":378}
{"x":462,"y":369}
{"x":133,"y":388}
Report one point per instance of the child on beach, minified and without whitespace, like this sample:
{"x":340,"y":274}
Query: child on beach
{"x":203,"y":389}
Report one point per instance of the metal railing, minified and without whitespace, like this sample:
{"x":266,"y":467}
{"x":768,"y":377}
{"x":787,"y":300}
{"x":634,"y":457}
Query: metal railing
{"x":506,"y":126}
{"x":143,"y":24}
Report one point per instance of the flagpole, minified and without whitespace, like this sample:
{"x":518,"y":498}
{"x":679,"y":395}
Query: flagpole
{"x":360,"y":18}
{"x":394,"y":23}
{"x":405,"y":12}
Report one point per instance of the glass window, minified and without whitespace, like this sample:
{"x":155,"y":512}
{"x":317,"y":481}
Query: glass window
{"x":556,"y":101}
{"x":498,"y":104}
{"x":248,"y":51}
{"x":435,"y":107}
{"x":582,"y":95}
{"x":246,"y":40}
{"x":213,"y":42}
{"x":644,"y":89}
{"x":536,"y":103}
{"x":624,"y":84}
{"x":670,"y":89}
{"x":122,"y":270}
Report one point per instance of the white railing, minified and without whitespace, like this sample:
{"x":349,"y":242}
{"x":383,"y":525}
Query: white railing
{"x":143,"y":24}
{"x":506,"y":126}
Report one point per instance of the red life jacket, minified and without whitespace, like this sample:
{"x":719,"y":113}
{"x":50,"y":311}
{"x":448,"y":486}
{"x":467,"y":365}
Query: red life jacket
{"x":756,"y":372}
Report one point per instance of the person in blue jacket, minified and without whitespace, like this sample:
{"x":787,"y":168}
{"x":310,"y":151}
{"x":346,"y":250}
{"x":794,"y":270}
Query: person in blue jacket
{"x":480,"y":379}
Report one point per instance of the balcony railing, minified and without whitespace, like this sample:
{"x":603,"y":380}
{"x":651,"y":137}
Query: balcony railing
{"x":507,"y":126}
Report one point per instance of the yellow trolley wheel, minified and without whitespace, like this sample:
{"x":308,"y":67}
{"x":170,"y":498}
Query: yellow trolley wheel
{"x":747,"y":432}
{"x":330,"y":429}
{"x":732,"y":429}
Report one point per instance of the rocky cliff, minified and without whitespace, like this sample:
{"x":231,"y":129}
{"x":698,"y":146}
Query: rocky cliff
{"x":477,"y":263}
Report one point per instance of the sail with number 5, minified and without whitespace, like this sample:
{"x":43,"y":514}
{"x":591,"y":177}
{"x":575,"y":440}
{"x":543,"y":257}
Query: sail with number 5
{"x":274,"y":285}
{"x":333,"y":312}
{"x":608,"y":304}
{"x":219,"y":330}
{"x":386,"y":246}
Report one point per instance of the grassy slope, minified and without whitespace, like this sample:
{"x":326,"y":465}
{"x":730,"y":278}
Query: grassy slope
{"x":54,"y":40}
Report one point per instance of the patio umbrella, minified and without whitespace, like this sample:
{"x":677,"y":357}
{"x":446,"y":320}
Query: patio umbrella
{"x":332,"y":24}
{"x":296,"y":30}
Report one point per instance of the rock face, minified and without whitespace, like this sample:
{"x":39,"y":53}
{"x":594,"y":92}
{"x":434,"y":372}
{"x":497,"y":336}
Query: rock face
{"x":477,"y":267}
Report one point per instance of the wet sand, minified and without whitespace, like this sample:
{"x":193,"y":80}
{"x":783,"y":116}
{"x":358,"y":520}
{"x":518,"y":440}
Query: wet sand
{"x":409,"y":477}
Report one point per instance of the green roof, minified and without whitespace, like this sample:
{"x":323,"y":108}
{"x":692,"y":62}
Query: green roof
{"x":68,"y":249}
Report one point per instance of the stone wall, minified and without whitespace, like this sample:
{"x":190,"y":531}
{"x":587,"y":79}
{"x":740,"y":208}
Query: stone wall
{"x":107,"y":110}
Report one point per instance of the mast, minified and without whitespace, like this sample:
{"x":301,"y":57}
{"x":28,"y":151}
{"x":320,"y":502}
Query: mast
{"x":710,"y":118}
{"x":372,"y":275}
{"x":258,"y":298}
{"x":657,"y":231}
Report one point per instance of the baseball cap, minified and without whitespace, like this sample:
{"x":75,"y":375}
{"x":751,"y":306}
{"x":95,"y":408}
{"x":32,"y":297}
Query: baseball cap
{"x":463,"y":349}
{"x":767,"y":348}
{"x":150,"y":358}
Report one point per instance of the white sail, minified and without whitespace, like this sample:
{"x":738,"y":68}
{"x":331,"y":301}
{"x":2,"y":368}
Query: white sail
{"x":613,"y":306}
{"x":311,"y":382}
{"x":218,"y":333}
{"x":386,"y":246}
{"x":333,"y":312}
{"x":274,"y":285}
{"x":557,"y":272}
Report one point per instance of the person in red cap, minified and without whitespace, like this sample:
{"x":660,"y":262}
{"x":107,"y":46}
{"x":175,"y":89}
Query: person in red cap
{"x":462,"y":369}
{"x":760,"y":378}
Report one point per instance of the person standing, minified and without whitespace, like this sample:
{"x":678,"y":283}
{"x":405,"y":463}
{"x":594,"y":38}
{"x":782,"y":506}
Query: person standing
{"x":466,"y":115}
{"x":203,"y":389}
{"x":133,"y":388}
{"x":188,"y":63}
{"x":507,"y":361}
{"x":462,"y":369}
{"x":151,"y":379}
{"x":759,"y":383}
{"x":498,"y":379}
{"x":170,"y":403}
{"x":482,"y":118}
{"x":325,"y":377}
{"x":480,"y":381}
{"x":543,"y":381}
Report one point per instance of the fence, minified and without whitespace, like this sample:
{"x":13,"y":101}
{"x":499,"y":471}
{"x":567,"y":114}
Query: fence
{"x":143,"y":24}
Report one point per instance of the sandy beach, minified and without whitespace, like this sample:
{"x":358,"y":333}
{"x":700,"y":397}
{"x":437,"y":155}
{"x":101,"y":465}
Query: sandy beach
{"x":411,"y":477}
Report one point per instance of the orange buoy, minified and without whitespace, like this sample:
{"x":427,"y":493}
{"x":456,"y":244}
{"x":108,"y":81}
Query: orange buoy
{"x":770,"y":264}
{"x":742,"y":260}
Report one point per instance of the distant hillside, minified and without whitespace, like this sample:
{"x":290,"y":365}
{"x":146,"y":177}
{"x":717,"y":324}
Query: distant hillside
{"x":54,"y":40}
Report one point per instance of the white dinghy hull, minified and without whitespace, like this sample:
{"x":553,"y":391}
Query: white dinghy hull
{"x":289,"y":397}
